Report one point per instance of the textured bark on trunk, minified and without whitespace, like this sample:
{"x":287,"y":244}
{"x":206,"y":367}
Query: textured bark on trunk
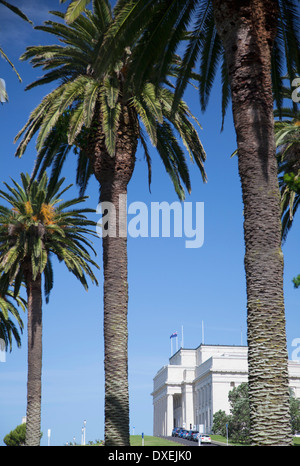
{"x":34,"y":377}
{"x":114,"y":174}
{"x":247,"y":30}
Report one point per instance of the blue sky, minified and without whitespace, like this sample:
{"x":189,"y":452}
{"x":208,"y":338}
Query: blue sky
{"x":170,"y":286}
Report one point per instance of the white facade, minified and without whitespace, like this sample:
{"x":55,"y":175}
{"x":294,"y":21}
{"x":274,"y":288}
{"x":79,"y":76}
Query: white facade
{"x":195,"y":384}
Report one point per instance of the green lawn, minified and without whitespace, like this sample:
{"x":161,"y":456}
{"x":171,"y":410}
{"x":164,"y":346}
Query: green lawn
{"x":297,"y":441}
{"x":149,"y":441}
{"x":219,"y":438}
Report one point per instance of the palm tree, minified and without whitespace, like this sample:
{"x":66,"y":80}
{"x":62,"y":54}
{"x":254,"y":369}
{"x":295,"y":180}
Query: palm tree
{"x":252,"y":40}
{"x":104,"y":124}
{"x":17,"y":11}
{"x":35,"y":227}
{"x":9,"y":305}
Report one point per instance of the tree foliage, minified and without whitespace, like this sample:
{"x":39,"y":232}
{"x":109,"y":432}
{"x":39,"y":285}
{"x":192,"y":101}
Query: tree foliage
{"x":16,"y":437}
{"x":295,"y":412}
{"x":239,"y":418}
{"x":36,"y":226}
{"x":9,"y":315}
{"x":69,"y":114}
{"x":296,"y":281}
{"x":239,"y":422}
{"x":220,"y":421}
{"x":159,"y":27}
{"x":287,"y":138}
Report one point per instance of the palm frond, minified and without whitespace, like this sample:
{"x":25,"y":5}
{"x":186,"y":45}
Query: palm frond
{"x":210,"y":56}
{"x":147,"y":118}
{"x":75,"y":8}
{"x":68,"y":94}
{"x":90,"y":97}
{"x":110,"y":121}
{"x":147,"y":156}
{"x":15,"y":10}
{"x":173,"y":159}
{"x":9,"y":312}
{"x":3,"y":55}
{"x":102,"y":10}
{"x":192,"y":51}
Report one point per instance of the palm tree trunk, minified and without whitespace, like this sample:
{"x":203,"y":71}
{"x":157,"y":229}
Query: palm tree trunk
{"x":114,"y":174}
{"x":34,"y":377}
{"x":247,"y":30}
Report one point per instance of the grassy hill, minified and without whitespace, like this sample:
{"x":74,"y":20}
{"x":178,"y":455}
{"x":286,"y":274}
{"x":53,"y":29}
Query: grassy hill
{"x":149,"y":441}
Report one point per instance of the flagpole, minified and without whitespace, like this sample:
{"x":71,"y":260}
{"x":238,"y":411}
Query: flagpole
{"x":182,"y":344}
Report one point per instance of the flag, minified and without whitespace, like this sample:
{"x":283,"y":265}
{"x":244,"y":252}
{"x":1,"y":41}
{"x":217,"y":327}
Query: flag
{"x":173,"y":335}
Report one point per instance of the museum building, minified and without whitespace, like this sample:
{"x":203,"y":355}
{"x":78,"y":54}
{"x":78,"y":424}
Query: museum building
{"x":196,"y":382}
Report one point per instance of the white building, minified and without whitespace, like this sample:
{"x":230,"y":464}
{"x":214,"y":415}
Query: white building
{"x":195,"y":384}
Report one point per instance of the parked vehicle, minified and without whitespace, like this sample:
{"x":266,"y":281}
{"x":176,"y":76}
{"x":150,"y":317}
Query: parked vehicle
{"x":181,"y":433}
{"x":176,"y":431}
{"x":185,"y":433}
{"x":190,"y":434}
{"x":205,"y":438}
{"x":195,"y":435}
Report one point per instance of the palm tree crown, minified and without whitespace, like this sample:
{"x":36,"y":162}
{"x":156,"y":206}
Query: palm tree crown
{"x":37,"y":226}
{"x":72,"y":110}
{"x":159,"y":27}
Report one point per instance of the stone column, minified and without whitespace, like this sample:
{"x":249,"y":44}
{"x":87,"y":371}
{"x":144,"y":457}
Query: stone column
{"x":170,"y":415}
{"x":188,"y":415}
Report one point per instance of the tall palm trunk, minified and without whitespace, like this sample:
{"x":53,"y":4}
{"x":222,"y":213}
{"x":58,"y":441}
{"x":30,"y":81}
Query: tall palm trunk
{"x":114,"y":174}
{"x":247,"y":30}
{"x":34,"y":377}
